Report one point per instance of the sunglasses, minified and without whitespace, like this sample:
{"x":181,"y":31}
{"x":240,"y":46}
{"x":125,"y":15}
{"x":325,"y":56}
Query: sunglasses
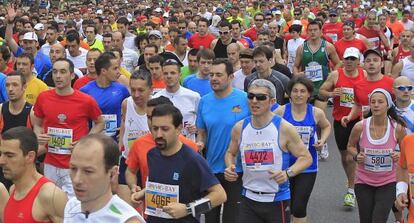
{"x":224,"y":33}
{"x":332,"y":15}
{"x":404,"y":88}
{"x":258,"y":20}
{"x":296,"y":14}
{"x":351,"y":58}
{"x":259,"y":97}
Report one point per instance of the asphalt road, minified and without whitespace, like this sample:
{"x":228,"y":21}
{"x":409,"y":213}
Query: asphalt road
{"x":326,"y":202}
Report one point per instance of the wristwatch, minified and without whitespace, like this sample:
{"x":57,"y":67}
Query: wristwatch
{"x":289,"y":173}
{"x":189,"y":210}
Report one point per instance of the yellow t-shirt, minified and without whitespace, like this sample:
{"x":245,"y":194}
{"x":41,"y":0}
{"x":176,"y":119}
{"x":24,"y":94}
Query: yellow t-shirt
{"x":97,"y":44}
{"x":34,"y":88}
{"x":114,"y":27}
{"x":125,"y":72}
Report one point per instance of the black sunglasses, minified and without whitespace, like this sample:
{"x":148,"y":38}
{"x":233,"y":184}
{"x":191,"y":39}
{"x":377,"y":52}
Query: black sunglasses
{"x":351,"y":58}
{"x":259,"y":97}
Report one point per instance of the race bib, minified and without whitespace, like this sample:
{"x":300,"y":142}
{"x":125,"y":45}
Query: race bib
{"x":347,"y":97}
{"x":411,"y":187}
{"x":157,"y":196}
{"x":110,"y":124}
{"x":60,"y":140}
{"x":258,"y":156}
{"x":314,"y":72}
{"x":378,"y":160}
{"x":305,"y":134}
{"x":134,"y":134}
{"x":333,"y":36}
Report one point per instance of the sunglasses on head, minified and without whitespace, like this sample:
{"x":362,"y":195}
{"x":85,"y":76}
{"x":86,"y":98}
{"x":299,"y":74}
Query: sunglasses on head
{"x":259,"y":97}
{"x":404,"y":88}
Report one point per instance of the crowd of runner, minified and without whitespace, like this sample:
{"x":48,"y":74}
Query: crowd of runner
{"x":177,"y":111}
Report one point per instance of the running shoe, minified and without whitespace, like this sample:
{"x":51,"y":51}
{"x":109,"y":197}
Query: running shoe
{"x":349,"y":200}
{"x":324,"y":152}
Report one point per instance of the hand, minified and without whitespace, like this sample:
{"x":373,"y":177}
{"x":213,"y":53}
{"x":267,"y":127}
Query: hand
{"x":395,"y":156}
{"x":11,"y":13}
{"x":401,"y":201}
{"x":337,"y":92}
{"x":345,"y":120}
{"x":200,"y":146}
{"x":376,"y":27}
{"x":72,"y":145}
{"x":230,"y":173}
{"x":278,"y":175}
{"x":360,"y":157}
{"x":319,"y":145}
{"x":176,"y":210}
{"x":137,"y":194}
{"x":192,"y":129}
{"x":43,"y":138}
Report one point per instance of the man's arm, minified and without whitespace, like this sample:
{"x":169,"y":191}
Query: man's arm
{"x":122,"y":127}
{"x":353,"y":114}
{"x":325,"y":127}
{"x":333,"y":56}
{"x":213,"y":43}
{"x":99,"y":125}
{"x":396,"y":69}
{"x":297,"y":69}
{"x":217,"y":195}
{"x":328,"y":87}
{"x":201,"y":139}
{"x":231,"y":154}
{"x":42,"y":137}
{"x":54,"y":201}
{"x":11,"y":15}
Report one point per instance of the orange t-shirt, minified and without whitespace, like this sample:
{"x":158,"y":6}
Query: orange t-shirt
{"x":397,"y":28}
{"x":137,"y":157}
{"x":407,"y":159}
{"x":82,"y":44}
{"x":158,"y":85}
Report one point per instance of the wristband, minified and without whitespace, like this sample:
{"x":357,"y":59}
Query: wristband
{"x":401,"y":188}
{"x":355,"y":158}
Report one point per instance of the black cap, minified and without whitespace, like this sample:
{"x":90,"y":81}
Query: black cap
{"x":349,"y":23}
{"x":374,"y":51}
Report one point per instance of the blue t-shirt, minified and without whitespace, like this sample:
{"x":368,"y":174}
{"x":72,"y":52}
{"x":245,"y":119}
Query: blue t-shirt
{"x":187,"y":169}
{"x":42,"y":63}
{"x":3,"y":92}
{"x":201,"y":86}
{"x":109,"y":99}
{"x":218,"y":116}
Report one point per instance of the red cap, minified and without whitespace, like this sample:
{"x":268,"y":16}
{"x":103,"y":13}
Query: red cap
{"x":140,"y":18}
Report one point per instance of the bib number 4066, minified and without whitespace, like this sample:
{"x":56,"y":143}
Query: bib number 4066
{"x":160,"y":201}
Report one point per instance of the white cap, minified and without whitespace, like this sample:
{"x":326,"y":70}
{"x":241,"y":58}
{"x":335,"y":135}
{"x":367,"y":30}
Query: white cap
{"x":39,"y":27}
{"x":394,"y":11}
{"x":158,"y":10}
{"x":278,"y":12}
{"x":99,"y":12}
{"x":296,"y":22}
{"x":351,"y":52}
{"x":30,"y":36}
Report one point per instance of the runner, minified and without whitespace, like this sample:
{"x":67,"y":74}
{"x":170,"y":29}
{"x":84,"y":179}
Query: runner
{"x":157,"y":79}
{"x":219,"y":45}
{"x":217,"y":113}
{"x":333,"y":28}
{"x":349,"y":40}
{"x":200,"y":81}
{"x":180,"y":184}
{"x":406,"y":66}
{"x":305,"y":118}
{"x":403,"y":50}
{"x":372,"y":144}
{"x":293,"y":44}
{"x":201,"y":39}
{"x":373,"y":33}
{"x":33,"y":198}
{"x":403,"y":89}
{"x":340,"y":86}
{"x":61,"y":117}
{"x":93,"y":166}
{"x":266,"y":194}
{"x":247,"y":65}
{"x":90,"y":75}
{"x":4,"y":195}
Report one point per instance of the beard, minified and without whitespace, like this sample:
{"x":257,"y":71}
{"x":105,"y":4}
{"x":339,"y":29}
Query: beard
{"x":161,"y":143}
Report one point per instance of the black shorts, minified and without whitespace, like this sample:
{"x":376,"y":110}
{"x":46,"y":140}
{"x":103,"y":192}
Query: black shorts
{"x":342,"y":133}
{"x":254,"y":211}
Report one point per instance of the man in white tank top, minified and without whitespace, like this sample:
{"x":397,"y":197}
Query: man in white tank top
{"x":406,"y":66}
{"x":133,"y":125}
{"x":93,"y":168}
{"x":293,"y":44}
{"x":264,"y":141}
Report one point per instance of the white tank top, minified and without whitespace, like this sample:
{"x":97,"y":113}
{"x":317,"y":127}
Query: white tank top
{"x":115,"y":211}
{"x":292,"y":45}
{"x":136,"y":125}
{"x":408,"y":68}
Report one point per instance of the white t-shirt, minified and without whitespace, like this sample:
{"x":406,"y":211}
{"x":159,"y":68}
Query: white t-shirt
{"x":408,"y":25}
{"x":206,"y":15}
{"x":187,"y":102}
{"x":78,"y":61}
{"x":238,"y":81}
{"x":130,"y":59}
{"x":115,"y":211}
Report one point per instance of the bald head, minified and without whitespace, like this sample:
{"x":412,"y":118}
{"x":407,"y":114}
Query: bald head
{"x":403,"y":91}
{"x":233,"y":46}
{"x":402,"y":80}
{"x":57,"y":51}
{"x":118,"y":39}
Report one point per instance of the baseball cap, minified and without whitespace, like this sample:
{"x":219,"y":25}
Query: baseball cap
{"x":99,"y":12}
{"x":278,"y":12}
{"x":370,"y":51}
{"x":39,"y":26}
{"x":349,"y":23}
{"x":219,"y":11}
{"x":333,"y":12}
{"x":351,"y":52}
{"x":30,"y":36}
{"x":155,"y":33}
{"x":141,"y":18}
{"x":158,"y":10}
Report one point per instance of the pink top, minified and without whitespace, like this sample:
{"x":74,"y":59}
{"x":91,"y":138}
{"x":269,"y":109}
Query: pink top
{"x":378,"y":168}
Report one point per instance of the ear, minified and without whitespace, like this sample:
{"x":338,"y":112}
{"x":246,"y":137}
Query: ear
{"x":113,"y":173}
{"x":31,"y":156}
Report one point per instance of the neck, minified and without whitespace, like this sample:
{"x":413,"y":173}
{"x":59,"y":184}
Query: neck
{"x":17,"y":105}
{"x":91,"y":75}
{"x":351,"y":73}
{"x":97,"y":204}
{"x":260,"y":121}
{"x":64,"y":91}
{"x":172,"y":150}
{"x":299,"y":108}
{"x":29,"y":178}
{"x":202,"y":76}
{"x":173,"y":89}
{"x":102,"y":81}
{"x":315,"y":41}
{"x":267,"y":73}
{"x":247,"y":72}
{"x":402,"y":104}
{"x":224,"y":93}
{"x":349,"y":38}
{"x":141,"y":109}
{"x":374,"y":77}
{"x":380,"y":120}
{"x":227,"y":42}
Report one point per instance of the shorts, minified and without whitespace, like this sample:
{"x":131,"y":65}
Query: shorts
{"x":254,"y":211}
{"x":313,"y":98}
{"x":61,"y":177}
{"x":122,"y":169}
{"x":342,"y":134}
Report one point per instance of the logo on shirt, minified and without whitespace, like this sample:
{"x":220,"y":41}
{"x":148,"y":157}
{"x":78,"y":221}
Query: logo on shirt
{"x":176,"y":176}
{"x":20,"y":215}
{"x":236,"y":109}
{"x":62,"y":118}
{"x":130,"y":121}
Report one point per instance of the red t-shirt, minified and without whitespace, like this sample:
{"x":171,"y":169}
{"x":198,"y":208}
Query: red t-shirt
{"x":196,"y":41}
{"x":79,"y":83}
{"x":333,"y":30}
{"x":342,"y":105}
{"x":372,"y":36}
{"x":65,"y":112}
{"x":342,"y":45}
{"x":251,"y":33}
{"x":401,"y":54}
{"x":358,"y":22}
{"x":8,"y":70}
{"x":364,"y":87}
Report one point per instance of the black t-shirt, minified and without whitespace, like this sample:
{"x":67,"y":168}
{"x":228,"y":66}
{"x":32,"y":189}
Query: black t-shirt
{"x":283,"y":69}
{"x":187,"y":169}
{"x":278,"y":43}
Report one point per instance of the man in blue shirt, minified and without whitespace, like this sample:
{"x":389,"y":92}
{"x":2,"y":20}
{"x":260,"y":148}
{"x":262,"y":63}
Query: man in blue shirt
{"x":200,"y":82}
{"x":218,"y":112}
{"x":30,"y":45}
{"x":3,"y":92}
